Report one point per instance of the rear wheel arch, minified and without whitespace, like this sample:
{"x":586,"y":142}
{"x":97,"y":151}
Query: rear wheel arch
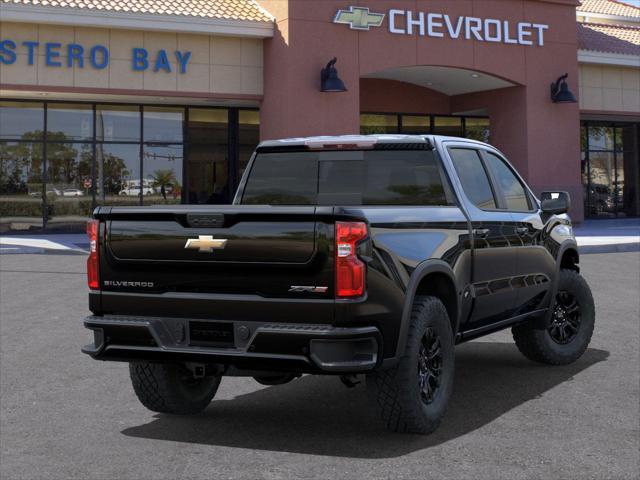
{"x":440,"y":285}
{"x":430,"y":278}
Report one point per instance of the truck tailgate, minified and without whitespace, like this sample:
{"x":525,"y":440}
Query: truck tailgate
{"x":223,"y":255}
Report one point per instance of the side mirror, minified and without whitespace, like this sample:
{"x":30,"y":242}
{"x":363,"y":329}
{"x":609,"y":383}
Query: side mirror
{"x":555,"y":203}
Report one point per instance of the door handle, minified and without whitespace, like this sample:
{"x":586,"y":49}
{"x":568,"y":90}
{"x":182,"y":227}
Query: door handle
{"x":481,"y":232}
{"x":522,"y":231}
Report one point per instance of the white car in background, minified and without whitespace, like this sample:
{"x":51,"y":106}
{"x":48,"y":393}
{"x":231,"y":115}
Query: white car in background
{"x":135,"y":190}
{"x":72,"y":192}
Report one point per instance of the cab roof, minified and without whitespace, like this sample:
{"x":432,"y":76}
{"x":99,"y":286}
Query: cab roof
{"x":363,"y":141}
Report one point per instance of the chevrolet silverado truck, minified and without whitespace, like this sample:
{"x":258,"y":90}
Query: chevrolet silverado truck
{"x":348,"y":255}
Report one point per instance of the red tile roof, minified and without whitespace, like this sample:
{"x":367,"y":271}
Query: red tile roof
{"x":609,"y":7}
{"x":222,"y":9}
{"x":609,"y":38}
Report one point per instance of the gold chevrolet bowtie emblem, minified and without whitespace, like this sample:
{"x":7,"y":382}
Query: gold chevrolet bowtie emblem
{"x":205,"y":243}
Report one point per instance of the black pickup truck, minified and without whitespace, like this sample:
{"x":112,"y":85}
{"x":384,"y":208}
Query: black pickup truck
{"x":345,"y":255}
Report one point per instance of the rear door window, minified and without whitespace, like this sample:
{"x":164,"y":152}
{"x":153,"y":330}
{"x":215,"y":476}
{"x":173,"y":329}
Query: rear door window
{"x":473,"y":177}
{"x":407,"y":177}
{"x":509,"y":188}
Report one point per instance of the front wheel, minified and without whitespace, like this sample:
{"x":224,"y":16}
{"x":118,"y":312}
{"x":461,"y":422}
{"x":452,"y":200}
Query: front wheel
{"x":569,"y":330}
{"x":169,"y":388}
{"x":413,"y":396}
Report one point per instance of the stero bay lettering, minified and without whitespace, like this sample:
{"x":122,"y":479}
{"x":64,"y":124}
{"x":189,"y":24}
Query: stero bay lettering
{"x":97,"y":56}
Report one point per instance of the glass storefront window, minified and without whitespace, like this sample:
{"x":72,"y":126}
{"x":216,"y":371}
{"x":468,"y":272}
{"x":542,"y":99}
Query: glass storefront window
{"x":208,"y":125}
{"x":68,"y":121}
{"x":610,"y":166}
{"x":377,"y":124}
{"x":21,"y":186}
{"x":208,"y":156}
{"x":21,"y":120}
{"x":163,"y":124}
{"x":477,"y":129}
{"x":601,"y":138}
{"x":162,"y":173}
{"x":450,"y":126}
{"x":108,"y":154}
{"x":118,"y":174}
{"x":118,"y":123}
{"x":248,"y":136}
{"x":69,"y":168}
{"x":416,"y":124}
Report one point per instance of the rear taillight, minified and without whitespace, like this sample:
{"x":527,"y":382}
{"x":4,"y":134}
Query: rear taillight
{"x":93,"y":262}
{"x":350,"y":270}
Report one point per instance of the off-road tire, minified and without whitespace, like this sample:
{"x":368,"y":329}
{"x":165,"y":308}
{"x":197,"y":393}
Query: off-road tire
{"x":537,"y":344}
{"x":169,"y":388}
{"x":396,"y":392}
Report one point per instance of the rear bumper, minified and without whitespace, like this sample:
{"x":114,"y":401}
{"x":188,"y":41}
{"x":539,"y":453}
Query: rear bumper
{"x":302,"y":348}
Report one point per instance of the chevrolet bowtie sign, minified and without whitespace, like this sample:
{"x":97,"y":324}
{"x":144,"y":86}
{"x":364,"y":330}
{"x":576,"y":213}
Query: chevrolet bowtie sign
{"x":359,"y":18}
{"x":441,"y":25}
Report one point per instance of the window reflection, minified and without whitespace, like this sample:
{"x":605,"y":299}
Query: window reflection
{"x":449,"y":126}
{"x":162,"y":174}
{"x":611,"y":164}
{"x":249,"y":137}
{"x":68,"y":121}
{"x":416,"y":124}
{"x":110,"y":154}
{"x":118,"y":174}
{"x":477,"y":129}
{"x":163,"y":124}
{"x":21,"y":186}
{"x":377,"y":124}
{"x":118,"y":123}
{"x":21,"y":120}
{"x":208,"y":156}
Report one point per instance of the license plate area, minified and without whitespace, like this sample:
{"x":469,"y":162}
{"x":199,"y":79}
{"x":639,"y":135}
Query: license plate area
{"x":211,"y":334}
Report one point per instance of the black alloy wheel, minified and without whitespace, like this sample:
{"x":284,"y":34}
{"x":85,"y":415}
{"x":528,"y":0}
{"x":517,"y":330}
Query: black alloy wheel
{"x":566,"y":318}
{"x":429,"y":365}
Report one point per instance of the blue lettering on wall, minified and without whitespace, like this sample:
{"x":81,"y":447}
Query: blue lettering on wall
{"x":140,"y":62}
{"x":97,"y":56}
{"x":51,"y":53}
{"x":31,"y":48}
{"x":7,"y":52}
{"x":162,"y":62}
{"x":75,"y":54}
{"x":183,"y":59}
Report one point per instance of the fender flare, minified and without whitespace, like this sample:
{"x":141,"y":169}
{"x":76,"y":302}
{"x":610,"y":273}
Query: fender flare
{"x":422,"y":270}
{"x":564,"y":246}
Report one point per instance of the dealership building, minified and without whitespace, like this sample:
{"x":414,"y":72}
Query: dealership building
{"x":129,"y":102}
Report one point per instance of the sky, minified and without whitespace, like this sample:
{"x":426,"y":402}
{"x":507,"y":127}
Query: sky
{"x":635,"y":3}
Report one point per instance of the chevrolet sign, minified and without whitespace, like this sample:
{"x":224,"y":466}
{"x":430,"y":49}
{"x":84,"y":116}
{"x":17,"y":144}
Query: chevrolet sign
{"x":359,"y":18}
{"x":441,"y":25}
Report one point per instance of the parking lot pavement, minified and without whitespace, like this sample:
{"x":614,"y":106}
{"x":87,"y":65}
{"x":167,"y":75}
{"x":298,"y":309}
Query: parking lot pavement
{"x":65,"y":416}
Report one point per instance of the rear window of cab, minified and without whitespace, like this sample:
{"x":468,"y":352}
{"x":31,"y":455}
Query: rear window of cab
{"x":411,"y":177}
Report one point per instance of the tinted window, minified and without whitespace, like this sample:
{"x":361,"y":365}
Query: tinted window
{"x":347,"y":178}
{"x":473,"y":177}
{"x":282,"y":179}
{"x":511,"y":190}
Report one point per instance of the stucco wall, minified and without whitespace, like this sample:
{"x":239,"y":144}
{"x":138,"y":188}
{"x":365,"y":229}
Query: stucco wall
{"x":609,"y":88}
{"x":224,"y":65}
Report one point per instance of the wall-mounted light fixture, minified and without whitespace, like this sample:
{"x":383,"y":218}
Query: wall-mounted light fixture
{"x":560,"y":92}
{"x":329,"y":80}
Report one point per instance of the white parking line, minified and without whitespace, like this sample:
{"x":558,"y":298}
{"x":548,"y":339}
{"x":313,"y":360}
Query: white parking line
{"x":613,"y":240}
{"x":32,"y":242}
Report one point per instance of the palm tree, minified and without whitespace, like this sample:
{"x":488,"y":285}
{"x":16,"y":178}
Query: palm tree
{"x":163,"y":178}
